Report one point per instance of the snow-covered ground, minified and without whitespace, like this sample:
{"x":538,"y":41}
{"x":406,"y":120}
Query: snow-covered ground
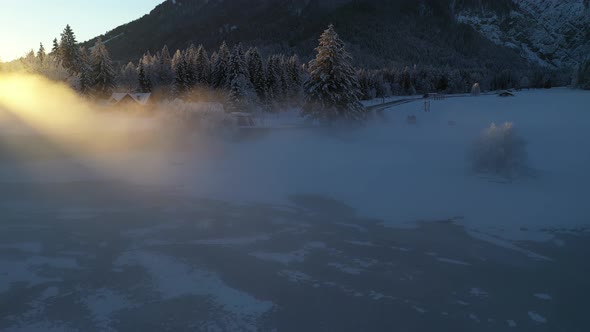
{"x":299,"y":228}
{"x":402,"y":173}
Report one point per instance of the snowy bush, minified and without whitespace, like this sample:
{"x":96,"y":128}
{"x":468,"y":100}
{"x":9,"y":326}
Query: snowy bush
{"x":476,"y":90}
{"x":499,"y":150}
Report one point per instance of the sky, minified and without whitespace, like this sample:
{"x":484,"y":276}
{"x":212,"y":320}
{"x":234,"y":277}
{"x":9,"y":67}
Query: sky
{"x":26,"y":23}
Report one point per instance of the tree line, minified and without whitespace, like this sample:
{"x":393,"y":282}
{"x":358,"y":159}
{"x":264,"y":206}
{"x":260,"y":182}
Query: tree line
{"x":244,"y":79}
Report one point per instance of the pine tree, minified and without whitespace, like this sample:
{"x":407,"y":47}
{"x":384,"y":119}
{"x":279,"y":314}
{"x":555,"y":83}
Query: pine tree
{"x":293,"y":72}
{"x":191,"y":70}
{"x":41,"y":55}
{"x":128,"y":78}
{"x":55,"y":48}
{"x":165,"y":71}
{"x":202,"y":67}
{"x":237,"y":64}
{"x":145,"y":85}
{"x":182,"y":79}
{"x":103,"y":74}
{"x":274,"y":79}
{"x":332,"y":90}
{"x":241,"y":90}
{"x":256,"y":71}
{"x":68,"y":50}
{"x":85,"y":76}
{"x":238,"y":98}
{"x":220,"y":68}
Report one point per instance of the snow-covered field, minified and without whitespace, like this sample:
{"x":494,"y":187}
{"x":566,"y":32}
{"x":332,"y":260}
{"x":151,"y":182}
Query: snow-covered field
{"x":296,"y":228}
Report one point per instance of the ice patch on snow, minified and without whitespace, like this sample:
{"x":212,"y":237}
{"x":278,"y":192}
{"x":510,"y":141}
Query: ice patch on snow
{"x":295,"y":276}
{"x":27,"y":271}
{"x":452,"y":261}
{"x":537,"y":318}
{"x":233,"y":241}
{"x":506,"y":244}
{"x":346,"y":268}
{"x":297,"y":256}
{"x":477,"y":292}
{"x":173,"y":279}
{"x":27,"y":247}
{"x":102,"y":304}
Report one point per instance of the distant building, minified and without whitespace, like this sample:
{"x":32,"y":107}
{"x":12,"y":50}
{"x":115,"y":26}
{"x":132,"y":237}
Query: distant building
{"x":129,"y":99}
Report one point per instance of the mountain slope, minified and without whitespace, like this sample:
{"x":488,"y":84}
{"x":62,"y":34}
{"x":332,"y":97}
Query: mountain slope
{"x":378,"y":32}
{"x":553,"y":33}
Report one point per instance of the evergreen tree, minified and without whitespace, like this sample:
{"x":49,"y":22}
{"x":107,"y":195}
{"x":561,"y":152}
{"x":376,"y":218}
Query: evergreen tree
{"x":182,"y":79}
{"x":41,"y":55}
{"x":145,"y":85}
{"x":55,"y":48}
{"x":275,"y":78}
{"x":202,"y":67}
{"x":220,"y":67}
{"x":241,"y":90}
{"x":68,"y":50}
{"x":165,"y":72}
{"x":150,"y":67}
{"x":85,"y":76}
{"x":103,"y":74}
{"x":190,"y":66}
{"x":294,"y":77}
{"x":239,"y":97}
{"x":256,"y":71}
{"x":128,"y":78}
{"x":332,"y":90}
{"x":237,"y":64}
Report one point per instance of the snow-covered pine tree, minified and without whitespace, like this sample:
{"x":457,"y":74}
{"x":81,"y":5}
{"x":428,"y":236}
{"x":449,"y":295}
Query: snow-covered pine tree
{"x":85,"y":76}
{"x":68,"y":50}
{"x":241,"y":89}
{"x":256,"y":71}
{"x":238,"y":99}
{"x":220,"y":67}
{"x":274,"y":79}
{"x":144,"y":82}
{"x":103,"y":74}
{"x":128,"y":78}
{"x":332,"y":90}
{"x":294,"y":77}
{"x":237,"y":64}
{"x":202,"y":67}
{"x":55,"y":47}
{"x":165,"y":73}
{"x":41,"y":55}
{"x":191,"y":71}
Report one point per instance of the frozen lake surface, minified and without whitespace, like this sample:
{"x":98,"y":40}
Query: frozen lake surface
{"x":374,"y":229}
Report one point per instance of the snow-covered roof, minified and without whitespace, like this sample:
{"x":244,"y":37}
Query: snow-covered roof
{"x":140,"y":98}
